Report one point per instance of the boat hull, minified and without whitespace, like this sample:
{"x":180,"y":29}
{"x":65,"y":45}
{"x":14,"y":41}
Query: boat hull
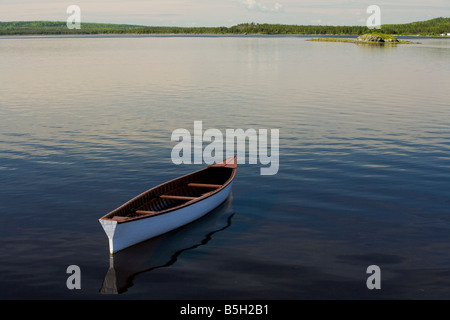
{"x":126,"y":234}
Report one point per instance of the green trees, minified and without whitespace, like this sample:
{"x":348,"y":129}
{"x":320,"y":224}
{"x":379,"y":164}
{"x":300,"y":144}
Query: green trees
{"x":429,"y":27}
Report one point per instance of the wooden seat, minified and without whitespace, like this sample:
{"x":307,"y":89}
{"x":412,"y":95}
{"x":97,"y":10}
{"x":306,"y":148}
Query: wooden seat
{"x":119,"y":218}
{"x":167,"y":196}
{"x":146,"y":212}
{"x":204,"y":185}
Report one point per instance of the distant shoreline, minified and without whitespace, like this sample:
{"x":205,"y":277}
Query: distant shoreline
{"x":311,"y":37}
{"x":430,"y":28}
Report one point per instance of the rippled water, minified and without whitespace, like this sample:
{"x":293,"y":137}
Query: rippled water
{"x":364,"y":176}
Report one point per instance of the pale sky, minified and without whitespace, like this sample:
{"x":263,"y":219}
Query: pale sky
{"x":225,"y":12}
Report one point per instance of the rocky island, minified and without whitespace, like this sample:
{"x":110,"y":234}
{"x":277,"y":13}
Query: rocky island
{"x":369,"y":38}
{"x":377,"y":38}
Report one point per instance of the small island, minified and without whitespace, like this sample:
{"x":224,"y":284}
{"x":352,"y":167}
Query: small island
{"x":369,"y":38}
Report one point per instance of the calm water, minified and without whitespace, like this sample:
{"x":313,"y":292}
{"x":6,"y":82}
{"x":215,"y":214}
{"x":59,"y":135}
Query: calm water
{"x":364,"y":178}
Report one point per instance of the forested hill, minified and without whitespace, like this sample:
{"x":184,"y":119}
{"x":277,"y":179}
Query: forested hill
{"x":435,"y":26}
{"x":429,"y":28}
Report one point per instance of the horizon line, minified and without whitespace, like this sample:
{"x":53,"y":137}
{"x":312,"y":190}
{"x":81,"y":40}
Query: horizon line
{"x":220,"y":26}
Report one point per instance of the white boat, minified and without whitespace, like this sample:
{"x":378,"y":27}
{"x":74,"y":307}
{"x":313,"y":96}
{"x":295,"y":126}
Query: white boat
{"x":164,"y":251}
{"x":169,"y":206}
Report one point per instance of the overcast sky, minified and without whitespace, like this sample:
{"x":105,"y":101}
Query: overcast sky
{"x":225,"y":12}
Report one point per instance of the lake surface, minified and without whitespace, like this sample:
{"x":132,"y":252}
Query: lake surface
{"x":364,"y":166}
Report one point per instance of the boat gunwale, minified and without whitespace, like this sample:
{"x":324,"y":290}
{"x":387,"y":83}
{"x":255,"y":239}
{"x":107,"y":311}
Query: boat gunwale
{"x":186,"y":204}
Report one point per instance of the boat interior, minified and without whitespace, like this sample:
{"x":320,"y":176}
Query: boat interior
{"x":174,"y":193}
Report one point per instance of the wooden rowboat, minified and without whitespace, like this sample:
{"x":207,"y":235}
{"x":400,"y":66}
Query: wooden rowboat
{"x":163,"y":251}
{"x":169,"y":206}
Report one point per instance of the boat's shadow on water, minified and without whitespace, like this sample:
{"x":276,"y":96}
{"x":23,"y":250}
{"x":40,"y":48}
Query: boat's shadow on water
{"x":163,"y":251}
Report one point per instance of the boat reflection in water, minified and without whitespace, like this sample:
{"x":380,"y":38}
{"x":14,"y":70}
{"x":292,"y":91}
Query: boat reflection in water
{"x":163,"y":251}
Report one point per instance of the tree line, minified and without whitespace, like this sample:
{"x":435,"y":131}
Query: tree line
{"x":430,"y":27}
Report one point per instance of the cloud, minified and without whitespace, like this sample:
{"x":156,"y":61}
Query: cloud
{"x":262,"y":6}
